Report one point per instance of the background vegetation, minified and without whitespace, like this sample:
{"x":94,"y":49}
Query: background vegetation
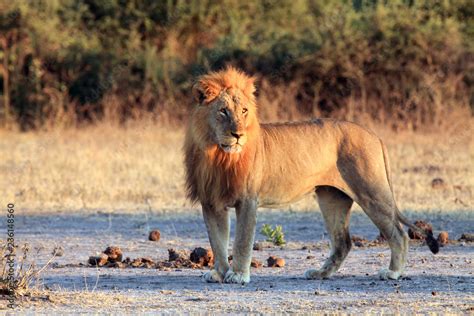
{"x":66,"y":62}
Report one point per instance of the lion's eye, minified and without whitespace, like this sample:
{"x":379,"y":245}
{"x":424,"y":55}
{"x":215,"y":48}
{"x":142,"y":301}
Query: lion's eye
{"x":223,"y":111}
{"x":244,"y":110}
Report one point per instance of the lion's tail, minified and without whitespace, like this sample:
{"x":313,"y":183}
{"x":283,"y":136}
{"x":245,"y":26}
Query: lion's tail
{"x":430,"y":240}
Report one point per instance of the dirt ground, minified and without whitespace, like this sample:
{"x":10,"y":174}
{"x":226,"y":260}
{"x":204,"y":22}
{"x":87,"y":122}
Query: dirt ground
{"x":433,"y":283}
{"x":86,"y":189}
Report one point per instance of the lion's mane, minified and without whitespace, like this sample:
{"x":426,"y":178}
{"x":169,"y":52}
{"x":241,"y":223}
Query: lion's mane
{"x":213,"y":176}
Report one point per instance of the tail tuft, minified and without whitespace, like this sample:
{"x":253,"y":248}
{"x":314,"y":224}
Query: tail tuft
{"x":432,"y":243}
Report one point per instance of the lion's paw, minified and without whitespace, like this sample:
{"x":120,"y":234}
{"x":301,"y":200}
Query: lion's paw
{"x":213,"y":276}
{"x":236,"y":277}
{"x":313,"y":274}
{"x":386,"y":274}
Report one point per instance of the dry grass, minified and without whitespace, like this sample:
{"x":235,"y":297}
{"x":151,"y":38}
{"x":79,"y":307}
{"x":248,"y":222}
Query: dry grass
{"x":100,"y":167}
{"x":140,"y":167}
{"x":26,"y":275}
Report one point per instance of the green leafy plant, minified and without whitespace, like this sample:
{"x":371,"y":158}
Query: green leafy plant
{"x":275,"y":236}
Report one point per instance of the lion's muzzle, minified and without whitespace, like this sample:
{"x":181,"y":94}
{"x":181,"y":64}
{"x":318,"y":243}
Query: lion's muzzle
{"x":234,"y":143}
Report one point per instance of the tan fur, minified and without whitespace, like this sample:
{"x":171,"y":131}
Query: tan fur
{"x":233,"y":161}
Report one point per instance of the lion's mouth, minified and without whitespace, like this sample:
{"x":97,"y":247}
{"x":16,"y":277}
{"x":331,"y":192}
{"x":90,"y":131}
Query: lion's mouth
{"x":231,"y":149}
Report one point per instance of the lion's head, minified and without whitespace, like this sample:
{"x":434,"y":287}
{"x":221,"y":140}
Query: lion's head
{"x":226,"y":110}
{"x":221,"y":137}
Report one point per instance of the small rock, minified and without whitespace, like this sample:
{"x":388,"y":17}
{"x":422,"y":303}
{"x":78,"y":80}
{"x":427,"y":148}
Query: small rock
{"x":424,"y":226}
{"x":136,"y":263}
{"x":166,"y":292}
{"x":380,"y":239}
{"x":147,"y":260}
{"x":174,"y":255}
{"x":438,"y":183}
{"x":358,"y":241}
{"x":149,"y":265}
{"x":142,"y":263}
{"x":58,"y":251}
{"x":273,"y":262}
{"x":467,"y":237}
{"x":255,"y":263}
{"x":310,"y":257}
{"x":119,"y":265}
{"x":202,"y":256}
{"x":434,"y":293}
{"x":100,"y":260}
{"x":154,"y":235}
{"x":443,"y":238}
{"x":260,"y":245}
{"x":114,"y":254}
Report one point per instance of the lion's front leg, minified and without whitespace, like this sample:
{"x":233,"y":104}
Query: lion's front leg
{"x":217,"y":222}
{"x":244,"y":236}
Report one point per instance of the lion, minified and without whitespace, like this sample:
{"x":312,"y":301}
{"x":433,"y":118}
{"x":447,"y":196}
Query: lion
{"x":234,"y":161}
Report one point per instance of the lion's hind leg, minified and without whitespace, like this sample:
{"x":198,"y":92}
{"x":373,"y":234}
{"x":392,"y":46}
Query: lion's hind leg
{"x":335,"y":207}
{"x":382,"y":213}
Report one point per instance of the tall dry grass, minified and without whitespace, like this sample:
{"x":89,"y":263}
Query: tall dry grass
{"x":139,"y":166}
{"x":95,"y":167}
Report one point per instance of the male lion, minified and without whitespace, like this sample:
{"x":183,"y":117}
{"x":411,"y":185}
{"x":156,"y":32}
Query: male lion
{"x":233,"y":161}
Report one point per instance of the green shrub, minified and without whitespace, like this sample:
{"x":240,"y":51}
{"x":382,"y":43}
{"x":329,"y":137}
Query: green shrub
{"x":275,"y":236}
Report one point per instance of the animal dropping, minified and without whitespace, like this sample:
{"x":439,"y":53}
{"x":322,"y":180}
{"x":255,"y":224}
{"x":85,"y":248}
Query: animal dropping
{"x":114,"y":254}
{"x":100,"y":260}
{"x":202,"y":256}
{"x":416,"y":234}
{"x":443,"y":238}
{"x":275,"y":262}
{"x":154,"y":235}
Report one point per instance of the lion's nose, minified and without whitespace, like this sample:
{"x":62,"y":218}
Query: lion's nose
{"x":237,"y":134}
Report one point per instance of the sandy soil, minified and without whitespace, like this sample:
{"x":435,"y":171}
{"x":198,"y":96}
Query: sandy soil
{"x":433,"y":283}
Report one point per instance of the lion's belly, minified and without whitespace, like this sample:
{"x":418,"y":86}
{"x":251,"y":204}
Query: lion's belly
{"x":277,"y":192}
{"x":277,"y":202}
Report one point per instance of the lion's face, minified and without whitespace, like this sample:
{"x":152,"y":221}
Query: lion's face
{"x":226,"y":113}
{"x":228,"y":121}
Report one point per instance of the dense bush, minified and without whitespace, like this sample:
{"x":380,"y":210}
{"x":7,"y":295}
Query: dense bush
{"x":405,"y":62}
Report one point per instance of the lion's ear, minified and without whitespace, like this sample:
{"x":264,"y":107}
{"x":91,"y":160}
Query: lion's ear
{"x":199,"y":93}
{"x":204,"y":92}
{"x":250,"y":87}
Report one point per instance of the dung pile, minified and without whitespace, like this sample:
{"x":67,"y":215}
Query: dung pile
{"x":112,"y":258}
